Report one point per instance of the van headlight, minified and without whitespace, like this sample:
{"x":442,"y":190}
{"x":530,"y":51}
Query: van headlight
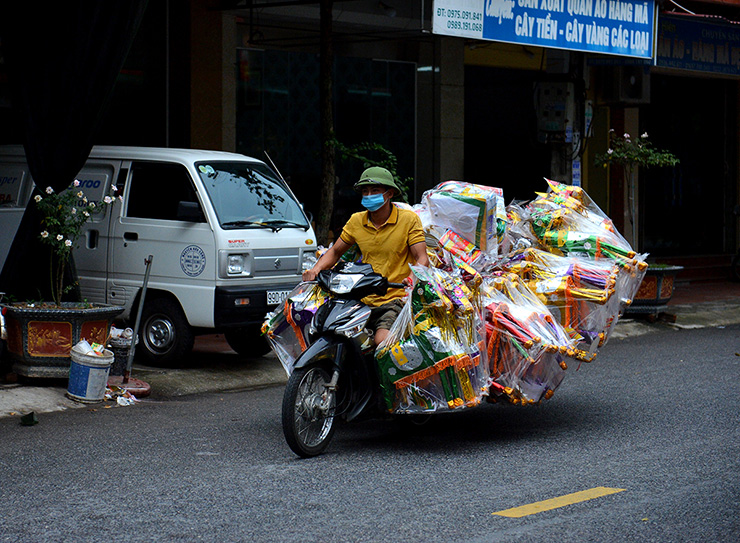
{"x":235,"y":264}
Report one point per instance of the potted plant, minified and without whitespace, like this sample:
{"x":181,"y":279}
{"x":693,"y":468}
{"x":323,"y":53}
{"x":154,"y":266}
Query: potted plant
{"x":631,"y":153}
{"x":40,"y":334}
{"x":656,"y":290}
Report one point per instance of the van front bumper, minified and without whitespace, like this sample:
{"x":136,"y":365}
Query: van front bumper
{"x":235,"y":307}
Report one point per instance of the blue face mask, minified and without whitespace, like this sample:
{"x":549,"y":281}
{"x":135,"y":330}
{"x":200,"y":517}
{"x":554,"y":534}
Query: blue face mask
{"x":373,"y":202}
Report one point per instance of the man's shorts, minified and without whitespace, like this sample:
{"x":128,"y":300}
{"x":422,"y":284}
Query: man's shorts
{"x":383,"y":316}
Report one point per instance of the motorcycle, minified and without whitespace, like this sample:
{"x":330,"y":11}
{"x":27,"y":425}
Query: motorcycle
{"x":335,"y":375}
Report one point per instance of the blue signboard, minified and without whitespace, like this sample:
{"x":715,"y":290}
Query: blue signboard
{"x":615,"y":27}
{"x":698,"y":44}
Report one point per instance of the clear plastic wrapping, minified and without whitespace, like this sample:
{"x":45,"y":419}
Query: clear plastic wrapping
{"x":526,"y":346}
{"x":433,"y":358}
{"x":475,"y":213}
{"x":286,"y":327}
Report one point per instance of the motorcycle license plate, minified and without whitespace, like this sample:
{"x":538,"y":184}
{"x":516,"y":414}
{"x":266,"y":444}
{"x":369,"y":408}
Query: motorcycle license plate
{"x":275,"y":297}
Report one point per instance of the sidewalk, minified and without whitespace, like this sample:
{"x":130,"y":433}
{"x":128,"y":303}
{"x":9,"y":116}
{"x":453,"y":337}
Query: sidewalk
{"x":214,"y":367}
{"x":697,"y":304}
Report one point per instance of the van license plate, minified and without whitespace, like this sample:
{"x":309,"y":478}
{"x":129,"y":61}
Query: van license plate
{"x":275,"y":297}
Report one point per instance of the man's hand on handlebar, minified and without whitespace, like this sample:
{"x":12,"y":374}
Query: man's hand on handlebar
{"x":309,"y":275}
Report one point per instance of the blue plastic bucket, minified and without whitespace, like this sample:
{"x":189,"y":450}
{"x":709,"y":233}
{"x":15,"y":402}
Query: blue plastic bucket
{"x":88,"y":376}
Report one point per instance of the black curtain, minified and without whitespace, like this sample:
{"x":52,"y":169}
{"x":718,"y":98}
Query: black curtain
{"x":63,"y":59}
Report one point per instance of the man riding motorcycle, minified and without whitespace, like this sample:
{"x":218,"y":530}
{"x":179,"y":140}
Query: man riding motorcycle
{"x":389,"y":239}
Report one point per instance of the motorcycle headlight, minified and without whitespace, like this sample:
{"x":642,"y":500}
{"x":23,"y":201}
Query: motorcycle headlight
{"x":343,"y":283}
{"x":356,"y":324}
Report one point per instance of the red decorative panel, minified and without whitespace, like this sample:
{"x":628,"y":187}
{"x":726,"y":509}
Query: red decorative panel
{"x":15,"y":336}
{"x":95,"y":331}
{"x":49,"y":338}
{"x":666,"y":289}
{"x":648,"y":288}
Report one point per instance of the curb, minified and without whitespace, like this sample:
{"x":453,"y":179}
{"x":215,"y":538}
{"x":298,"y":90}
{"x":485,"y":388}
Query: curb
{"x":687,"y":317}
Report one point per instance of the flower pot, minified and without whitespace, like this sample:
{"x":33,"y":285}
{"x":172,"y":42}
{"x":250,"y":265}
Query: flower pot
{"x":655,"y":290}
{"x":40,"y":338}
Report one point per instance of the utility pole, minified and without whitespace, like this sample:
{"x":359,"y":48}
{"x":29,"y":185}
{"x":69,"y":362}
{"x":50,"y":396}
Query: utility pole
{"x":327,"y":124}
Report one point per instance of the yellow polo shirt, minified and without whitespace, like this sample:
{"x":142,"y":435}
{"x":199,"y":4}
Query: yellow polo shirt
{"x":386,"y":248}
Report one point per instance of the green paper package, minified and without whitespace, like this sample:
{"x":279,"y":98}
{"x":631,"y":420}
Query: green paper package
{"x":432,"y":359}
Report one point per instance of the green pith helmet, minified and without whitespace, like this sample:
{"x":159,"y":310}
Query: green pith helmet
{"x":376,"y":176}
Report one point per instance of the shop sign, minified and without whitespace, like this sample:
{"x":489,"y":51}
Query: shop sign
{"x":698,"y":44}
{"x":616,"y":27}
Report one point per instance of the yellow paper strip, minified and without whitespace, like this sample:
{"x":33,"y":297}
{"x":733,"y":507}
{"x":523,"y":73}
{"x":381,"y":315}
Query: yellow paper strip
{"x":554,"y":503}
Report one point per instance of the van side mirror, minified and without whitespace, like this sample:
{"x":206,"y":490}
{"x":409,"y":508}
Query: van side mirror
{"x":190,"y":211}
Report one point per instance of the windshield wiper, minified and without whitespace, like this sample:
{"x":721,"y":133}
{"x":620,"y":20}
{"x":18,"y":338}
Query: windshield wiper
{"x":274,"y":224}
{"x":244,"y":223}
{"x":282,"y":223}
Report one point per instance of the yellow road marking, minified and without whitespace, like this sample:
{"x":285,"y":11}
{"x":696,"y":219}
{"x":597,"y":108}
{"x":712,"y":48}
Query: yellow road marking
{"x":554,"y":503}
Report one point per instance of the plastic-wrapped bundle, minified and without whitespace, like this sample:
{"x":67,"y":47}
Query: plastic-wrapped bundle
{"x":464,"y":253}
{"x":525,"y":345}
{"x":433,"y":357}
{"x":566,"y":221}
{"x":474,"y":212}
{"x":581,"y":293}
{"x":285,"y":328}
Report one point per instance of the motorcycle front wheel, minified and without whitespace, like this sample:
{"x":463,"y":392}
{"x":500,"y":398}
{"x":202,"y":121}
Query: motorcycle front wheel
{"x":308,"y":411}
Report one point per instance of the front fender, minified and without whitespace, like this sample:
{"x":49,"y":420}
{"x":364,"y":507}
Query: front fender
{"x":339,"y":355}
{"x":324,"y":348}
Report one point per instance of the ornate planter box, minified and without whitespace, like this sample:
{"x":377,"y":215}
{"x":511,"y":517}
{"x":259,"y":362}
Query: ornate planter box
{"x":40,"y":338}
{"x":655,"y":290}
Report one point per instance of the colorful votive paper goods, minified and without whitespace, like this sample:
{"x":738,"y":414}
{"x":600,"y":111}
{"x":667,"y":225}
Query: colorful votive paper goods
{"x":512,"y":296}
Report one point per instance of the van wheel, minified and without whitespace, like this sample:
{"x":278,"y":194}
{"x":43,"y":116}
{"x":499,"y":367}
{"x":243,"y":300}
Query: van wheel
{"x":247,"y":341}
{"x":165,"y":333}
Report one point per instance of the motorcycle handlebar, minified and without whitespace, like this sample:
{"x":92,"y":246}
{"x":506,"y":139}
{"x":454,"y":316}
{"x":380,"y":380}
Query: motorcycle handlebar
{"x":396,"y":285}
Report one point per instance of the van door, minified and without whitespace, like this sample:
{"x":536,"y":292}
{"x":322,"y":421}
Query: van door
{"x":91,"y":253}
{"x":184,"y":266}
{"x":15,"y":188}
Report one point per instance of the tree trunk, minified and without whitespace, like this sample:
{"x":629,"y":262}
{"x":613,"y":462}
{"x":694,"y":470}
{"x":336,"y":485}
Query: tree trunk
{"x":327,"y":125}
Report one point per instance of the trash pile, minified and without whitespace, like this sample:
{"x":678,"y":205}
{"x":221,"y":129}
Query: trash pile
{"x":90,"y":349}
{"x":511,"y":293}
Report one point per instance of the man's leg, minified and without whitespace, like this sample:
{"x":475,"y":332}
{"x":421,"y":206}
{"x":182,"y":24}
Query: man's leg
{"x":385,"y":316}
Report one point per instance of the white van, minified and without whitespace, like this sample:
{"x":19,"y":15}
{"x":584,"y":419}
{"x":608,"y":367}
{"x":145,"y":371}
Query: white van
{"x":228,"y":237}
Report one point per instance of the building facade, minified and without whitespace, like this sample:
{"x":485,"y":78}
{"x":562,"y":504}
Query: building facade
{"x":504,"y":108}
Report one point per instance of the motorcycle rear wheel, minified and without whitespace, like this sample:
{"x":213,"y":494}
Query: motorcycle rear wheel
{"x":308,"y":411}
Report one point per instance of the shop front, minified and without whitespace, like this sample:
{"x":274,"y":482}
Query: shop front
{"x":693,"y":110}
{"x":546,"y":82}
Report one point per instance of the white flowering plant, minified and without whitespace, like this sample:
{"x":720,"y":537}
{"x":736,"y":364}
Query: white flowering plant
{"x":631,"y":152}
{"x":63,"y":214}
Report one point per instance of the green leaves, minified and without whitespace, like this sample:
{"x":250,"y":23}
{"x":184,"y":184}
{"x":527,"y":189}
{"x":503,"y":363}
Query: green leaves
{"x":64,"y":213}
{"x":630,"y":152}
{"x":374,"y":154}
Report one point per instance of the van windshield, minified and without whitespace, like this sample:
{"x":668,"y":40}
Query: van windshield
{"x":249,"y":195}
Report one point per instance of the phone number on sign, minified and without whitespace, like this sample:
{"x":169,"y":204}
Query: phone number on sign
{"x":464,"y":25}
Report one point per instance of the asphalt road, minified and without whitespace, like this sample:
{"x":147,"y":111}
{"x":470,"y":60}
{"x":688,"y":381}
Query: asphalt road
{"x":656,"y":416}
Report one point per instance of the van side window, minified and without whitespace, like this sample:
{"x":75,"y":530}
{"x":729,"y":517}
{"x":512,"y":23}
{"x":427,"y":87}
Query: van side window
{"x":12,"y":186}
{"x":156,"y":190}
